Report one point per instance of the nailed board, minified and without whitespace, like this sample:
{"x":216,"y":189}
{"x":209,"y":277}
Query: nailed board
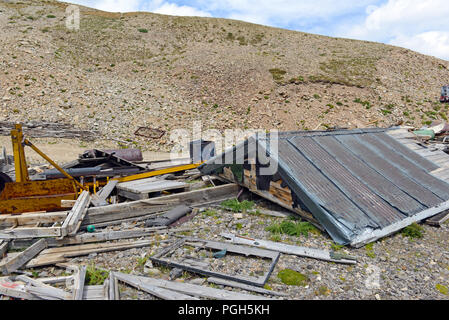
{"x":141,"y":189}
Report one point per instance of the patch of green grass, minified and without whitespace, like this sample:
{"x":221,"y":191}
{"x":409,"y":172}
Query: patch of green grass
{"x":370,"y":250}
{"x":336,"y":247}
{"x":277,"y":74}
{"x":236,"y":206}
{"x":442,"y":289}
{"x":413,"y":231}
{"x":142,"y":30}
{"x":51,"y":16}
{"x":293,"y":278}
{"x":95,"y":276}
{"x":291,"y":228}
{"x":239,"y":226}
{"x":209,"y":213}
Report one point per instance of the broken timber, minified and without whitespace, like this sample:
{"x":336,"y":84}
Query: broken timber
{"x":15,"y":263}
{"x":59,"y":255}
{"x":195,"y":290}
{"x":290,"y":249}
{"x":243,"y":286}
{"x":76,"y":215}
{"x":104,"y":194}
{"x":161,"y":258}
{"x":162,"y":293}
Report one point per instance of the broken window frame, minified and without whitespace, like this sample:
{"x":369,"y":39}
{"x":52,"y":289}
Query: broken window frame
{"x":161,"y":258}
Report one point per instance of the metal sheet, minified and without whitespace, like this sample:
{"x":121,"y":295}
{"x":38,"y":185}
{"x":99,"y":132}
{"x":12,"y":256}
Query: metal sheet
{"x":388,"y":170}
{"x":409,"y":154}
{"x":371,"y":178}
{"x":375,"y":209}
{"x":406,"y":165}
{"x":325,"y":192}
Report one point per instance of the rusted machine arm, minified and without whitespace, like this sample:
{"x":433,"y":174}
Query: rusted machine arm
{"x":43,"y":155}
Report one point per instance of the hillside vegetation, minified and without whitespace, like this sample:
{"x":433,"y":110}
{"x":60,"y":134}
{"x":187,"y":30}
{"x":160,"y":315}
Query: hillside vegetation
{"x":122,"y":71}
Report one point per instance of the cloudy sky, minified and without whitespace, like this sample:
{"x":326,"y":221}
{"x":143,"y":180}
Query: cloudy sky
{"x":421,"y":25}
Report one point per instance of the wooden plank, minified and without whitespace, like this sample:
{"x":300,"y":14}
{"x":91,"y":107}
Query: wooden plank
{"x":18,"y":261}
{"x":103,"y":236}
{"x":93,"y":293}
{"x":194,"y":290}
{"x":27,"y":233}
{"x":243,"y":286}
{"x":8,"y":220}
{"x":4,"y":245}
{"x":104,"y":193}
{"x":79,"y":210}
{"x":78,"y":288}
{"x":114,"y":292}
{"x":439,"y":219}
{"x":190,"y":198}
{"x":38,"y":288}
{"x":15,"y":290}
{"x":313,"y":253}
{"x":161,"y":293}
{"x":59,"y":255}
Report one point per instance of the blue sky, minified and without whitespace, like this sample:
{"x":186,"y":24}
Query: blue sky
{"x":420,"y":25}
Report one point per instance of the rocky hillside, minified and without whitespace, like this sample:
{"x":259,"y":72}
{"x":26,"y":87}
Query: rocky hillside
{"x":122,"y":71}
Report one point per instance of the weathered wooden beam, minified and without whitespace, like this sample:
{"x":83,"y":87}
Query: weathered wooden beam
{"x":22,"y":258}
{"x":194,"y":290}
{"x":78,"y":285}
{"x":28,"y":233}
{"x":191,"y":198}
{"x":15,"y":290}
{"x":243,"y":286}
{"x":4,"y":246}
{"x":104,"y":194}
{"x":38,"y":288}
{"x":161,"y":293}
{"x":290,"y":249}
{"x":76,"y":215}
{"x":28,"y":219}
{"x":103,"y":236}
{"x":60,"y":255}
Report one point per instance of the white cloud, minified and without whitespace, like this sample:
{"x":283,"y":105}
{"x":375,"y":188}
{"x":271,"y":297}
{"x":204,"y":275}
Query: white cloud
{"x":175,"y":10}
{"x":419,"y":25}
{"x":435,"y":43}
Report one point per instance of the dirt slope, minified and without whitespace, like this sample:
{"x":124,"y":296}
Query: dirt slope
{"x":121,"y":71}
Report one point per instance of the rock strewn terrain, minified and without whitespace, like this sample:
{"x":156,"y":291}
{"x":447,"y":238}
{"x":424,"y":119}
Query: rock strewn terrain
{"x":121,"y":71}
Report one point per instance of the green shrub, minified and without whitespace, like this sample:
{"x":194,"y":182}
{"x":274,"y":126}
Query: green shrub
{"x":95,"y":276}
{"x":236,"y":206}
{"x":413,"y":231}
{"x":291,"y":228}
{"x":143,"y":30}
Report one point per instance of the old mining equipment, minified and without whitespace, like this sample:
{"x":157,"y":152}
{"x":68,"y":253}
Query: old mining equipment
{"x":25,"y":195}
{"x":444,"y":94}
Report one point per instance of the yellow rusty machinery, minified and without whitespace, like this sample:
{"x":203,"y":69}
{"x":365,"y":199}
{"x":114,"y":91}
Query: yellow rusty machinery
{"x":25,"y":195}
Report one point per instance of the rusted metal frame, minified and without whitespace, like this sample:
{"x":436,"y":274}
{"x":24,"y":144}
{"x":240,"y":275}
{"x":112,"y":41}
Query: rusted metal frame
{"x":246,"y":251}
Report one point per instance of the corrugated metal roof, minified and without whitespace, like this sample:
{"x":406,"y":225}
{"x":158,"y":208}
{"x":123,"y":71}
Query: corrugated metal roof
{"x":358,"y":181}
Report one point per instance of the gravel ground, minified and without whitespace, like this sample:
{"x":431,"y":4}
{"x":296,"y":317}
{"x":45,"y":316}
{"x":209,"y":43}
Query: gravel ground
{"x":394,"y":268}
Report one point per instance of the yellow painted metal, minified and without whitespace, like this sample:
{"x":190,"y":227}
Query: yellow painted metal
{"x":159,"y":172}
{"x":43,"y":155}
{"x":29,"y":196}
{"x":19,"y":154}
